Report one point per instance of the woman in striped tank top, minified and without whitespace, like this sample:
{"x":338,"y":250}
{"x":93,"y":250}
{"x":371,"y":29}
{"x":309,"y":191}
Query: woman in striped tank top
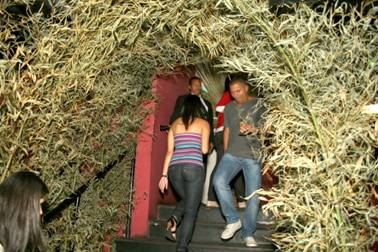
{"x":188,"y":140}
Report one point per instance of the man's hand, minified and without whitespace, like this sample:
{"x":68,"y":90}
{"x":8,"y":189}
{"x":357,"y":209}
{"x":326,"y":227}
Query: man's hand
{"x":248,"y":129}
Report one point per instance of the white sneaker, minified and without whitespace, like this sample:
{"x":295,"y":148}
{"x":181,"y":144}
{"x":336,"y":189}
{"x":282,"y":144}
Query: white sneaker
{"x":230,"y":230}
{"x":250,"y":241}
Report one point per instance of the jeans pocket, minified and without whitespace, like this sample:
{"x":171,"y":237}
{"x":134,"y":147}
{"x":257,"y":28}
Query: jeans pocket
{"x":193,"y":173}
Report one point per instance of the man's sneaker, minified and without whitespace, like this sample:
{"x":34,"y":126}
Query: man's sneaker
{"x":230,"y":230}
{"x":250,"y":241}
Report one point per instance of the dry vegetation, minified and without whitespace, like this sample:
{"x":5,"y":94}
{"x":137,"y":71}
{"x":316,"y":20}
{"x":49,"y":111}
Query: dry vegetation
{"x":71,"y":86}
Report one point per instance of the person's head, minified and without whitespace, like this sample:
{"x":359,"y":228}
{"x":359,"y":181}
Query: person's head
{"x":192,"y":108}
{"x":239,"y":90}
{"x":21,"y":195}
{"x":195,"y":85}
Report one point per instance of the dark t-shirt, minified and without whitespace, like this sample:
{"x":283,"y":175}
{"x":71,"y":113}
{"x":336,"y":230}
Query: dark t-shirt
{"x":250,"y":112}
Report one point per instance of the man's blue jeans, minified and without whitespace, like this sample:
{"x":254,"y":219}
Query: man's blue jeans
{"x":228,"y":168}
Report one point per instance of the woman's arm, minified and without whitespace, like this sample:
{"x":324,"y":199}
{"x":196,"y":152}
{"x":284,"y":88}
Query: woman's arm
{"x":205,"y":137}
{"x":163,"y":183}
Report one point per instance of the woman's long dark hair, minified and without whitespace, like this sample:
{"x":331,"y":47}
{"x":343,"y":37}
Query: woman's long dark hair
{"x":20,"y":219}
{"x":192,"y":108}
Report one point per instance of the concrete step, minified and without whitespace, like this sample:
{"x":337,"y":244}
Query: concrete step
{"x":205,"y":214}
{"x":210,"y":232}
{"x":151,"y":245}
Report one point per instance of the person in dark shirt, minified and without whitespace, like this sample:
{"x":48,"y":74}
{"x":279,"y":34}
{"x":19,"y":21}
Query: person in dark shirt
{"x":238,"y":182}
{"x":195,"y":87}
{"x":243,"y":120}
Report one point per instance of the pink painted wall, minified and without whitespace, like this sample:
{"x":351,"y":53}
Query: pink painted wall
{"x":150,"y":154}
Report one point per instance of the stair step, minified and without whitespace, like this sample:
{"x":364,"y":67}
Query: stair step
{"x":205,"y":214}
{"x":210,"y":232}
{"x":151,"y":245}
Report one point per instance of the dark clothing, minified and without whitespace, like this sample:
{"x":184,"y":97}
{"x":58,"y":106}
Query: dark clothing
{"x":250,"y":112}
{"x":238,"y":182}
{"x":206,"y":114}
{"x":242,"y":154}
{"x":187,"y":180}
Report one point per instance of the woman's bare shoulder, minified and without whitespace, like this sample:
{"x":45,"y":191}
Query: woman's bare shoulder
{"x":203,"y":122}
{"x":177,"y":121}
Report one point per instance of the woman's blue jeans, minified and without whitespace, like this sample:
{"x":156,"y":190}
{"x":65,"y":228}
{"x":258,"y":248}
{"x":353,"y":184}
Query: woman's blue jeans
{"x":187,"y":180}
{"x":229,"y":167}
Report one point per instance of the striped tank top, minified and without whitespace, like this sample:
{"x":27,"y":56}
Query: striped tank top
{"x":187,"y":149}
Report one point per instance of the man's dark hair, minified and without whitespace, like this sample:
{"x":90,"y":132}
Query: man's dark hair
{"x":238,"y":80}
{"x":192,"y":79}
{"x":192,"y":108}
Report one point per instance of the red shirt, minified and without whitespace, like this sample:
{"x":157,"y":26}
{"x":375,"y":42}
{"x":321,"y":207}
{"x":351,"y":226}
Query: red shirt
{"x":224,"y":100}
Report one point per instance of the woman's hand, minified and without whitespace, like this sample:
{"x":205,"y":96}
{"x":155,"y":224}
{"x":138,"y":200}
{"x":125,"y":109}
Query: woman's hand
{"x":163,"y":184}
